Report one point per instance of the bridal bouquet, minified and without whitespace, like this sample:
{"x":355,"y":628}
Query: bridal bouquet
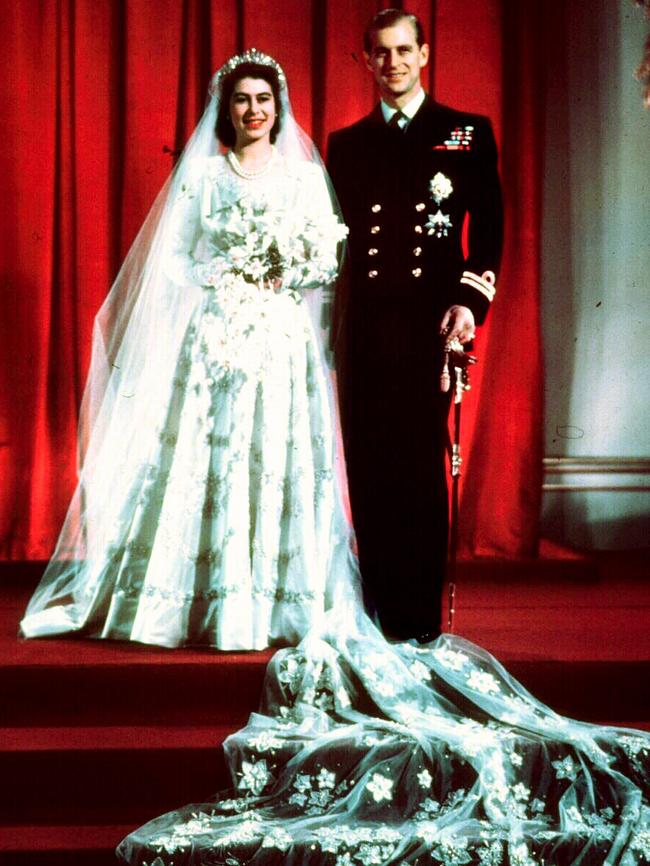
{"x":263,"y":245}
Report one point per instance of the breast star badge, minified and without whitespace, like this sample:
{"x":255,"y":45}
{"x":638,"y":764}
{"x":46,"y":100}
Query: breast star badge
{"x":439,"y":223}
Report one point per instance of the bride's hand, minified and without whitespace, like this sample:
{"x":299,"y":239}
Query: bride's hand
{"x":273,"y":285}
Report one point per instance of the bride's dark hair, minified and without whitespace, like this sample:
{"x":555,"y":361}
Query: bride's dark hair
{"x":224,"y":128}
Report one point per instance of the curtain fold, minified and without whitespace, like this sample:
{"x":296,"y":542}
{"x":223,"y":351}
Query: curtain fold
{"x":97,"y":98}
{"x":499,"y":513}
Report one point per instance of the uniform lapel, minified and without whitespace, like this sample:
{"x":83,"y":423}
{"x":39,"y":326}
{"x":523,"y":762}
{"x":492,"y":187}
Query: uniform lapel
{"x":425,"y":118}
{"x":377,"y":126}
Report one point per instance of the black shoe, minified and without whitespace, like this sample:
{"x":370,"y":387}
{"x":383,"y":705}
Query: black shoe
{"x":427,"y":637}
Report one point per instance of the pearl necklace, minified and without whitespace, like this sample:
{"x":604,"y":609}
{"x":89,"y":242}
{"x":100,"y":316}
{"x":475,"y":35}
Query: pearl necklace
{"x":238,"y":168}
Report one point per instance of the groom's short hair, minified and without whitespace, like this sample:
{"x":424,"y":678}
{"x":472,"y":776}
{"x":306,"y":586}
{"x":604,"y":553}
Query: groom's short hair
{"x":388,"y":18}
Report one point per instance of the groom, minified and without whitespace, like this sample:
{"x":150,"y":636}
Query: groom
{"x":408,"y":177}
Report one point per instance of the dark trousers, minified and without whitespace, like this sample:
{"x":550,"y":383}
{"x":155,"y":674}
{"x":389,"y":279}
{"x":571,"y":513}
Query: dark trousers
{"x":395,"y":432}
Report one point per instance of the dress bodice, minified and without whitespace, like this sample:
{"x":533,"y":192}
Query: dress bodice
{"x":219,"y":215}
{"x":281,"y":189}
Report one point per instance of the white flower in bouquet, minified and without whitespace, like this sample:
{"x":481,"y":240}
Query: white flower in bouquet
{"x":317,"y":260}
{"x":251,"y":237}
{"x":264,"y":246}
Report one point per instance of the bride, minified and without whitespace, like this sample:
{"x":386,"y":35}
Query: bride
{"x":208,"y":509}
{"x":220,"y":521}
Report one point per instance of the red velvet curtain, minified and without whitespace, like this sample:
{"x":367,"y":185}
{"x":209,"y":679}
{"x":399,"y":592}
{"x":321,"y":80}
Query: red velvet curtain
{"x":96,"y":98}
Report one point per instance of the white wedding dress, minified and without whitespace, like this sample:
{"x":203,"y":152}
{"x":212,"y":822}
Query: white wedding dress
{"x":224,"y":532}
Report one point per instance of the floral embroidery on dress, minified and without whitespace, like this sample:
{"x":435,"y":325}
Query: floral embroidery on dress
{"x":255,"y":776}
{"x":596,"y":824}
{"x":452,"y":850}
{"x":476,"y":738}
{"x":449,"y":658}
{"x":291,"y":671}
{"x":314,"y":794}
{"x":520,"y":855}
{"x":483,"y":682}
{"x":515,"y":759}
{"x":265,"y":741}
{"x":182,"y":834}
{"x":491,"y":854}
{"x":249,"y":828}
{"x":420,"y":672}
{"x":636,"y":748}
{"x":430,"y":808}
{"x":380,"y":787}
{"x":277,"y":838}
{"x":565,"y":768}
{"x":358,"y":846}
{"x":640,"y":842}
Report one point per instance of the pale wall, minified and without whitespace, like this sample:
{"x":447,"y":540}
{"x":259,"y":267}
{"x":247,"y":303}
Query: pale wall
{"x":596,"y":275}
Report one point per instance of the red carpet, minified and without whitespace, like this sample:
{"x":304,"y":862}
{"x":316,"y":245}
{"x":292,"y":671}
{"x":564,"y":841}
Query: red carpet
{"x":98,"y":737}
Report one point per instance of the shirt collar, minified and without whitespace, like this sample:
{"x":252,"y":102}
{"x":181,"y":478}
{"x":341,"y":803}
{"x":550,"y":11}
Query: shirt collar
{"x":409,"y":110}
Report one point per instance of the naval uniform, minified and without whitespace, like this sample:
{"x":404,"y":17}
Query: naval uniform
{"x":405,"y":195}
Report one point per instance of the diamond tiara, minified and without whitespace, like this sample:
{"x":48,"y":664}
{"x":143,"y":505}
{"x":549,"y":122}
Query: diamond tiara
{"x":250,"y":56}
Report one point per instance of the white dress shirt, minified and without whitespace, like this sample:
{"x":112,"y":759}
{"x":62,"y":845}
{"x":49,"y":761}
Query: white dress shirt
{"x":407,"y":110}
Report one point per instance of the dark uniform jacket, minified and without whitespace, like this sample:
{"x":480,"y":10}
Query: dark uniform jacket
{"x":408,"y":197}
{"x":404,"y":241}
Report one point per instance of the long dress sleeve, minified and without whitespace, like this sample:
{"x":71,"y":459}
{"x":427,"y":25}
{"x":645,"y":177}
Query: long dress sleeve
{"x":182,"y":264}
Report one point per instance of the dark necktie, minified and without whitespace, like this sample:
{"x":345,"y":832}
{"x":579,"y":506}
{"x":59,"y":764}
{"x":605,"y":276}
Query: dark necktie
{"x":394,"y":122}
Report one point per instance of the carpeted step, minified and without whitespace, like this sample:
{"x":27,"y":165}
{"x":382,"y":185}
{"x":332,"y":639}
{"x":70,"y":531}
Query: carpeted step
{"x":129,"y":686}
{"x":119,"y":775}
{"x":72,"y":845}
{"x":107,"y":774}
{"x":220,"y":689}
